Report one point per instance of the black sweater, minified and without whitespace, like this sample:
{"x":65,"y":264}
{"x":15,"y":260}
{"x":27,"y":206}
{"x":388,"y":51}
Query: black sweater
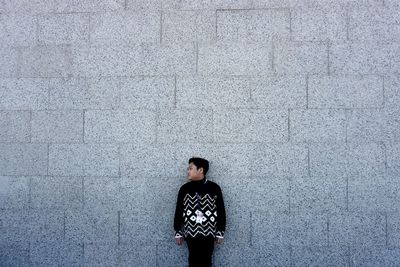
{"x":200,"y":210}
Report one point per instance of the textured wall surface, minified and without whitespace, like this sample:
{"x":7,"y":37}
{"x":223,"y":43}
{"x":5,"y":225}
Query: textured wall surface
{"x":294,"y":102}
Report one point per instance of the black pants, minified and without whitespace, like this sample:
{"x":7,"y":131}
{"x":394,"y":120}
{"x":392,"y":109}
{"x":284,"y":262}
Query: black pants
{"x":200,"y":251}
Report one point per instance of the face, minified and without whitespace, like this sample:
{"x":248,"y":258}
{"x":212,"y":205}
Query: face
{"x":193,"y":173}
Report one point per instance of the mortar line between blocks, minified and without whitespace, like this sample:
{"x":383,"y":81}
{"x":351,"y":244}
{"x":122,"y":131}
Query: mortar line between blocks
{"x":175,"y":88}
{"x":197,"y":57}
{"x":83,"y":125}
{"x":289,"y":111}
{"x":161,"y":25}
{"x":48,"y":158}
{"x":251,"y":229}
{"x":308,"y":161}
{"x":386,"y":231}
{"x":307,"y":85}
{"x":119,"y":227}
{"x":30,"y":126}
{"x":327,"y":231}
{"x":347,"y":193}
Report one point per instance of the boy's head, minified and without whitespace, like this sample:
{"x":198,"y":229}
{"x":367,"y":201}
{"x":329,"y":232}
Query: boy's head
{"x":198,"y":168}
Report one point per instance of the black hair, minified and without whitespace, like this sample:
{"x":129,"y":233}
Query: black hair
{"x":200,"y":163}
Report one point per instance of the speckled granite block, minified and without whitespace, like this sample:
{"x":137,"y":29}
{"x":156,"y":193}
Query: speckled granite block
{"x":23,"y":159}
{"x":137,"y":254}
{"x":125,"y":27}
{"x":139,"y":161}
{"x":280,"y":160}
{"x":374,"y":256}
{"x":184,"y":125}
{"x":57,"y":126}
{"x":279,"y":92}
{"x":188,"y":26}
{"x":147,"y":92}
{"x":300,"y":58}
{"x":380,"y":24}
{"x":84,"y":93}
{"x":67,"y":6}
{"x":18,"y":30}
{"x":14,"y":254}
{"x":84,"y":159}
{"x":318,"y":125}
{"x":361,"y":91}
{"x":347,"y":161}
{"x":393,"y":229}
{"x":326,"y":21}
{"x":234,"y":58}
{"x":137,"y":59}
{"x":46,"y":225}
{"x":120,"y":126}
{"x":24,"y":94}
{"x":14,"y":226}
{"x":153,"y":5}
{"x":100,"y":255}
{"x":270,"y":229}
{"x":392,"y":91}
{"x":9,"y":62}
{"x":92,"y":227}
{"x":57,"y":193}
{"x":55,"y":29}
{"x":46,"y":61}
{"x":356,"y":229}
{"x":319,"y":256}
{"x":318,"y":194}
{"x":101,"y":193}
{"x":28,"y":6}
{"x":308,"y":229}
{"x":206,"y":5}
{"x":364,"y":58}
{"x":139,"y":226}
{"x":56,"y":254}
{"x":14,"y":126}
{"x":171,"y":255}
{"x":14,"y":192}
{"x":253,"y":25}
{"x":393,"y":159}
{"x":250,"y":125}
{"x":366,"y":125}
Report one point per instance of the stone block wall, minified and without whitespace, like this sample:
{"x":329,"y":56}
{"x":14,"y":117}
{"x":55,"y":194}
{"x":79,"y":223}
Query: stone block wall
{"x":294,"y":102}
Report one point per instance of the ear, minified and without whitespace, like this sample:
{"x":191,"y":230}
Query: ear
{"x":201,"y":170}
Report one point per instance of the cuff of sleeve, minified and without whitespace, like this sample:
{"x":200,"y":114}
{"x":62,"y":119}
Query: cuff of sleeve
{"x":178,"y":234}
{"x":220,"y":234}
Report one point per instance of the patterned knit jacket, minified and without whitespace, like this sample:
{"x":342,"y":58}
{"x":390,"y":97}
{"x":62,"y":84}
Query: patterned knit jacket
{"x":200,"y":210}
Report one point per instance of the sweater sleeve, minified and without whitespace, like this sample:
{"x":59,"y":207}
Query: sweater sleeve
{"x":221,"y":219}
{"x":178,"y":218}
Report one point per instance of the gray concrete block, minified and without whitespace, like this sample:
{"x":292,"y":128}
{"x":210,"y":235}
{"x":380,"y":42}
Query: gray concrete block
{"x":271,"y":228}
{"x":379,"y":24}
{"x":280,"y":160}
{"x":45,"y":61}
{"x":84,"y":93}
{"x":18,"y":30}
{"x":14,"y":226}
{"x":170,"y":255}
{"x":57,"y":193}
{"x":14,"y":126}
{"x":318,"y":194}
{"x":392,"y":134}
{"x":24,"y":94}
{"x":253,"y":25}
{"x":188,"y":26}
{"x":319,"y":256}
{"x":364,"y":58}
{"x":14,"y":254}
{"x":100,"y":255}
{"x":147,"y":92}
{"x":216,"y":91}
{"x":23,"y":159}
{"x":366,"y":125}
{"x":365,"y":91}
{"x":317,"y":125}
{"x":235,"y":59}
{"x":125,"y":27}
{"x":135,"y":59}
{"x":92,"y":227}
{"x":65,"y":126}
{"x":356,"y":229}
{"x":392,"y":91}
{"x":184,"y":125}
{"x":374,"y":256}
{"x":53,"y":253}
{"x":393,"y":229}
{"x":326,"y":21}
{"x":238,"y":229}
{"x":9,"y":62}
{"x":28,"y":6}
{"x":46,"y":226}
{"x":139,"y":161}
{"x":139,"y":226}
{"x":300,"y":58}
{"x":206,"y":5}
{"x":67,"y":6}
{"x":139,"y":255}
{"x":55,"y":29}
{"x":152,"y":5}
{"x":250,"y":125}
{"x":120,"y":126}
{"x":309,"y":230}
{"x":84,"y":159}
{"x":280,"y":92}
{"x":14,"y":192}
{"x":347,"y":161}
{"x":393,"y":159}
{"x":101,"y":193}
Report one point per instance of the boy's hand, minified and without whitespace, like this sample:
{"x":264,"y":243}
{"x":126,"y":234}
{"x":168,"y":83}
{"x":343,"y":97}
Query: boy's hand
{"x":219,"y":240}
{"x":179,"y":240}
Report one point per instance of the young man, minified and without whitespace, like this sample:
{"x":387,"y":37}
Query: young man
{"x":200,"y":214}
